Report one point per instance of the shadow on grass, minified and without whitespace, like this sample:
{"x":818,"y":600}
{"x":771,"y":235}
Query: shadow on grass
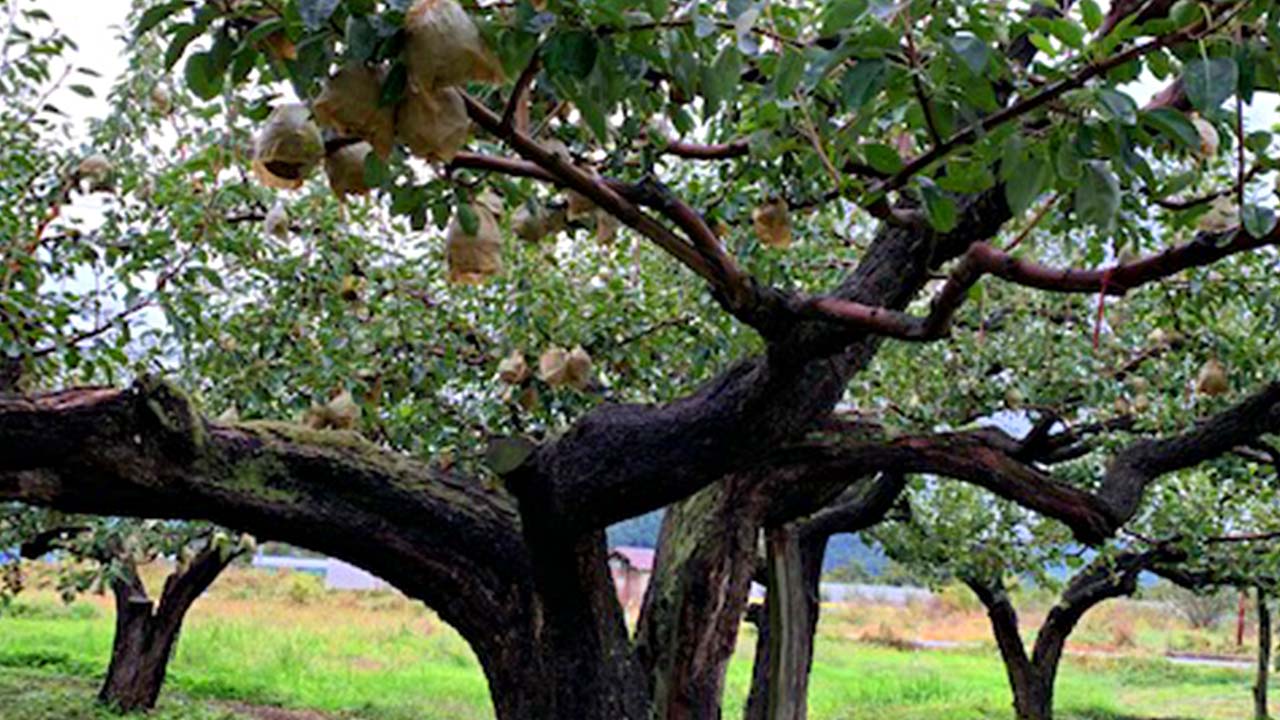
{"x":1101,"y":714}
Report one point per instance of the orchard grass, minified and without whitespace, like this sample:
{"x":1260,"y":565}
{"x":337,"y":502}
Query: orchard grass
{"x":261,"y":641}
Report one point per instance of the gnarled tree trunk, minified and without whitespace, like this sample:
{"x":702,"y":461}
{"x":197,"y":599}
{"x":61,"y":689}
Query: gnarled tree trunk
{"x":1032,"y":694}
{"x":147,"y":632}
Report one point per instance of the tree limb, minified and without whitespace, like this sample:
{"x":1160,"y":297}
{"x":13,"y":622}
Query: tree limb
{"x":983,"y":258}
{"x":145,"y":452}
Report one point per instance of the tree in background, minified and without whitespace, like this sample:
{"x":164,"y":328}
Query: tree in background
{"x":793,"y":318}
{"x":1216,"y":530}
{"x":97,"y":554}
{"x":46,"y":176}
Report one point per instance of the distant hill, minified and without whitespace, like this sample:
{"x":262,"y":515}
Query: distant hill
{"x":639,"y":531}
{"x":643,"y":531}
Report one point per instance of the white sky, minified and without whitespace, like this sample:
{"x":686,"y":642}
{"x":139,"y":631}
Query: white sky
{"x":95,"y":25}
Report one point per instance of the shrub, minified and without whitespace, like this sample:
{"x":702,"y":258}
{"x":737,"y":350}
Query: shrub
{"x":305,"y":588}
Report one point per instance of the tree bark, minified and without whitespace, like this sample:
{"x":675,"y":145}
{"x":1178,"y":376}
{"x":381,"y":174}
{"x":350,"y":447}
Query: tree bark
{"x":146,"y":633}
{"x":793,"y":602}
{"x":139,"y":651}
{"x":794,"y":572}
{"x":1032,"y":697}
{"x":758,"y":697}
{"x":1264,"y":658}
{"x":697,"y":595}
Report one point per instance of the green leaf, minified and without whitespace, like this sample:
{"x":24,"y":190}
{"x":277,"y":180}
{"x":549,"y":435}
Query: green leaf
{"x":966,"y":175}
{"x":376,"y":173}
{"x":1028,"y":175}
{"x":1258,"y":220}
{"x":939,"y":208}
{"x":1209,"y":82}
{"x":1119,"y":105}
{"x":178,"y":42}
{"x":720,"y":79}
{"x":203,"y":76}
{"x":362,"y":39}
{"x":81,"y":90}
{"x":971,"y":50}
{"x":1173,"y":125}
{"x":1257,"y":141}
{"x":1097,"y":198}
{"x":863,"y":83}
{"x":882,"y":157}
{"x":468,"y":220}
{"x":571,"y":56}
{"x":840,"y":14}
{"x":504,"y":455}
{"x":156,"y":15}
{"x":1185,"y":12}
{"x":393,"y":88}
{"x":1071,"y":34}
{"x":1092,"y":14}
{"x":789,"y":73}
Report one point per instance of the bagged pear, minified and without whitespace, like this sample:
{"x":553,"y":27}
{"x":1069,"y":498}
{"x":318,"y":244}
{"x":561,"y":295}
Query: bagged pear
{"x":513,"y":369}
{"x":559,"y":367}
{"x":474,"y":257}
{"x":433,"y":124}
{"x":161,"y":100}
{"x":97,"y":169}
{"x":533,"y":222}
{"x":1212,"y":379}
{"x":580,"y":207}
{"x":1209,"y":140}
{"x":349,"y":105}
{"x":606,"y":227}
{"x":288,"y":148}
{"x":578,"y":368}
{"x":443,"y":47}
{"x":340,"y":413}
{"x":772,"y":223}
{"x":553,"y":367}
{"x":345,"y":169}
{"x":1222,"y":216}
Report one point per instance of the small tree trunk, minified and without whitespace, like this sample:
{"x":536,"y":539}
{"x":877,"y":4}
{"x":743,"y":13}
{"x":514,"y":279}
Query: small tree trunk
{"x":790,"y":644}
{"x":789,"y":619}
{"x":139,"y":651}
{"x":1032,"y":691}
{"x":1032,"y":698}
{"x":857,"y":508}
{"x":146,"y":634}
{"x":1264,"y":658}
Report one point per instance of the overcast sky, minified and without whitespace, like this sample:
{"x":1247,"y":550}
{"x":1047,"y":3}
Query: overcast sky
{"x":95,"y":26}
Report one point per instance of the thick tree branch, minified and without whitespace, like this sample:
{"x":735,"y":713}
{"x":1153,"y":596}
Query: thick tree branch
{"x":702,"y":252}
{"x":144,"y":452}
{"x":983,"y":259}
{"x":996,"y":462}
{"x":1136,"y":467}
{"x":983,"y":458}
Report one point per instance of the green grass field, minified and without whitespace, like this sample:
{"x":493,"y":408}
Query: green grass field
{"x":383,"y":658}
